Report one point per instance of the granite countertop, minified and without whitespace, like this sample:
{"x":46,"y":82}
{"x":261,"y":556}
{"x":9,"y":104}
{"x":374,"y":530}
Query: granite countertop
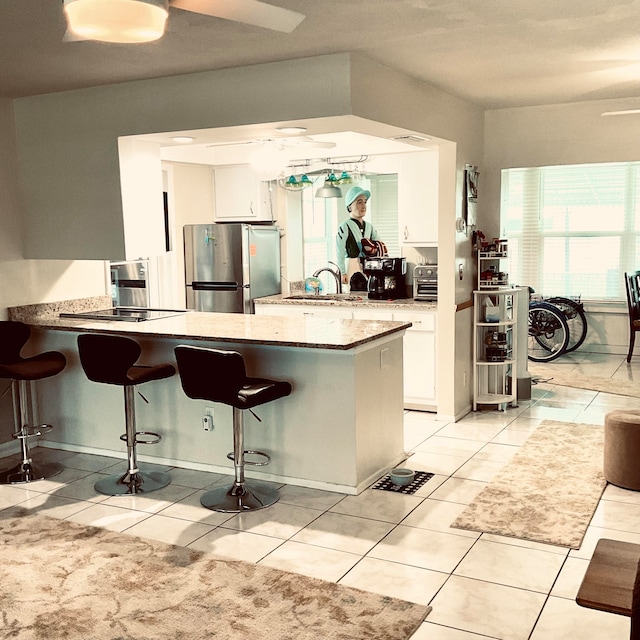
{"x":309,"y":332}
{"x":354,"y":299}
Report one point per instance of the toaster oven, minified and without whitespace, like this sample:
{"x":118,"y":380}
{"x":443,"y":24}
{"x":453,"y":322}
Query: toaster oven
{"x":425,"y":282}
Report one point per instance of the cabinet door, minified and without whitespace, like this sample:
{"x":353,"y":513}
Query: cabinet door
{"x":239,"y":195}
{"x":418,"y":190}
{"x":419,"y":368}
{"x":419,"y":360}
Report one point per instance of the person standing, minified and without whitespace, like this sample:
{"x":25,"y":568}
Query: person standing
{"x":351,"y":233}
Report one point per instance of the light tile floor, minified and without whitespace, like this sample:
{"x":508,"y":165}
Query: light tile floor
{"x":480,"y":586}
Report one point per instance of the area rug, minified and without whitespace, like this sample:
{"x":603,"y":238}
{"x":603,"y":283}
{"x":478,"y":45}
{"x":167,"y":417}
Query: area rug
{"x":548,"y":491}
{"x":592,"y":383}
{"x":60,"y":580}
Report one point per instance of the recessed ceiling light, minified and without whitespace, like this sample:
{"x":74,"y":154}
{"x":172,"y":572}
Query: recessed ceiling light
{"x":291,"y":129}
{"x":183,"y":139}
{"x":626,"y":112}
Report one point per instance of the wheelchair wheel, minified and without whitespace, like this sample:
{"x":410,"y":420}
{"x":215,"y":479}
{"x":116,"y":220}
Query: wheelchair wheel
{"x":576,"y":320}
{"x":548,"y":332}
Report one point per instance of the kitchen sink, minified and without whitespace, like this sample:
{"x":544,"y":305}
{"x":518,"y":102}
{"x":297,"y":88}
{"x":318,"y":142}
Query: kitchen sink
{"x":328,"y":297}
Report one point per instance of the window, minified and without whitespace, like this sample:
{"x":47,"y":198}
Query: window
{"x":573,"y":230}
{"x":322,"y":216}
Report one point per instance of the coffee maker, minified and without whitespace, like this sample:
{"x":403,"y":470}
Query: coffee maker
{"x":385,"y":278}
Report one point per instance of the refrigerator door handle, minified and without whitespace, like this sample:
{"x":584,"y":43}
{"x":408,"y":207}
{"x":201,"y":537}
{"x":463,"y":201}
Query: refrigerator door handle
{"x":214,"y":286}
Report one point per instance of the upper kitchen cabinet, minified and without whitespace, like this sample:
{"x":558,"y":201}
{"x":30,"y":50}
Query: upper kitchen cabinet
{"x":240,"y":196}
{"x":418,"y":199}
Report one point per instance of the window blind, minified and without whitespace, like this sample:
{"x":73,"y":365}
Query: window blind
{"x":573,"y":230}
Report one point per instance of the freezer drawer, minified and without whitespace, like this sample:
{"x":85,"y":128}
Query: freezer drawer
{"x":221,"y":297}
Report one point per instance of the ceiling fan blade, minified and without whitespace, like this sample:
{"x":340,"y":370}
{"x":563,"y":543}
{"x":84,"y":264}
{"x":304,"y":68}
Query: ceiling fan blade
{"x":252,"y":12}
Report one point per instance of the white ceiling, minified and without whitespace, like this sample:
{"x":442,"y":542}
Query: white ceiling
{"x":495,"y":53}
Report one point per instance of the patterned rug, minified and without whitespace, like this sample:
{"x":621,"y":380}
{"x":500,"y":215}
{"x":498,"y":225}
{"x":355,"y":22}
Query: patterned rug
{"x":549,"y":490}
{"x":64,"y":580}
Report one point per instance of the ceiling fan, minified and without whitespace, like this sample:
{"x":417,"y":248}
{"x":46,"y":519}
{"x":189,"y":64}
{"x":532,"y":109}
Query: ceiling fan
{"x":135,"y":21}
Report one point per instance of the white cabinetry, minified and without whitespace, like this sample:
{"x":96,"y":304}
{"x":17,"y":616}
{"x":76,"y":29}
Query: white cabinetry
{"x":419,"y":358}
{"x":419,"y":344}
{"x":418,"y":191}
{"x":303,"y":310}
{"x":495,"y":348}
{"x":240,"y":196}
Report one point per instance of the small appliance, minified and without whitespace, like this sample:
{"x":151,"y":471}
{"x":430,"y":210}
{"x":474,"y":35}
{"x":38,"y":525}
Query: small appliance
{"x":425,"y":282}
{"x":386,"y":278}
{"x":130,"y":283}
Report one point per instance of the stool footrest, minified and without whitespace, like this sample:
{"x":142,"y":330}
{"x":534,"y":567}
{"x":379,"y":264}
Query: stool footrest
{"x":33,"y":431}
{"x":146,"y":437}
{"x":253,"y":453}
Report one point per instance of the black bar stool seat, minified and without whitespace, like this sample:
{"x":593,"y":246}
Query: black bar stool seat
{"x":22,"y":371}
{"x":220,"y":376}
{"x":109,"y":359}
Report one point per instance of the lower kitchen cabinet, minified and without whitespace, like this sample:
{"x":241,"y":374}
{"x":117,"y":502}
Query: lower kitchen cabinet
{"x":419,"y":344}
{"x":301,"y":310}
{"x":419,"y":357}
{"x":419,"y":354}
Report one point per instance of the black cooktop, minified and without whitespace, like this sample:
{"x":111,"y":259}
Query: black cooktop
{"x":124,"y":314}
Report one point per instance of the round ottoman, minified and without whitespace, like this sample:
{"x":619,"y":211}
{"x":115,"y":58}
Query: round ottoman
{"x":622,"y":448}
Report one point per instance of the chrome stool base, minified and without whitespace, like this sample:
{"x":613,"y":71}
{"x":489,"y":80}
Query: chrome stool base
{"x":132,"y":483}
{"x":29,"y":472}
{"x":240,"y":498}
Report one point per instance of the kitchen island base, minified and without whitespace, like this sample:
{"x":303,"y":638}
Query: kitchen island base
{"x":340,"y":429}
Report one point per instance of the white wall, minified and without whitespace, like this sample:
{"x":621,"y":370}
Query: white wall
{"x":80,"y":196}
{"x":406,"y":102}
{"x":573,"y":133}
{"x":31,"y":281}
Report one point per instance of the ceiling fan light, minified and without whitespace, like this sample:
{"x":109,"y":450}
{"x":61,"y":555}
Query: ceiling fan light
{"x":123,"y":21}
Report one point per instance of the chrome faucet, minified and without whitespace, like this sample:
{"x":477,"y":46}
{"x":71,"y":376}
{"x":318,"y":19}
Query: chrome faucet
{"x":337,"y":274}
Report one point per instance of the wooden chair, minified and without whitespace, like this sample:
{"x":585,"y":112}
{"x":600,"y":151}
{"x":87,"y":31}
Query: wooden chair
{"x":632,"y":282}
{"x":612,"y":581}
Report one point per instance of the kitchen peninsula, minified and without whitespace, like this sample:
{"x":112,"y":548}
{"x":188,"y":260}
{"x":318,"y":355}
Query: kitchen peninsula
{"x":340,"y":429}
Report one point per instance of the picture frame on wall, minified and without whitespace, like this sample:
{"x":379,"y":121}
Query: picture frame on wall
{"x":471,"y":176}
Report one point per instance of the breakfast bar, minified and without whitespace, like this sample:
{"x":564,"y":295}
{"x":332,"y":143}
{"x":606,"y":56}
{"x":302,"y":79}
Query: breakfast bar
{"x":340,"y":429}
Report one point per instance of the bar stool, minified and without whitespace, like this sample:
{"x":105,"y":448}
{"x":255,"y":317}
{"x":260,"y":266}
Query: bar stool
{"x":22,"y":371}
{"x":220,"y":376}
{"x":111,"y":360}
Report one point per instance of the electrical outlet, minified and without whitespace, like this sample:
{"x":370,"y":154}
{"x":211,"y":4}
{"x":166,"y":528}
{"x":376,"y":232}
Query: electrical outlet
{"x":207,"y":419}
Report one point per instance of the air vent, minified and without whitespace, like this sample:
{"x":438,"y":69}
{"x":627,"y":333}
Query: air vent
{"x":410,"y":138}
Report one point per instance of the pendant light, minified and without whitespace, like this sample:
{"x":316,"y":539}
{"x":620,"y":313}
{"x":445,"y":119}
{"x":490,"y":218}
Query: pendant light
{"x":125,"y":21}
{"x":330,"y":188}
{"x":294,"y":184}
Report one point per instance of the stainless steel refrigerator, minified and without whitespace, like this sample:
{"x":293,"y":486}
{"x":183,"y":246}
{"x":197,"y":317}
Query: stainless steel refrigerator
{"x":228,"y":265}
